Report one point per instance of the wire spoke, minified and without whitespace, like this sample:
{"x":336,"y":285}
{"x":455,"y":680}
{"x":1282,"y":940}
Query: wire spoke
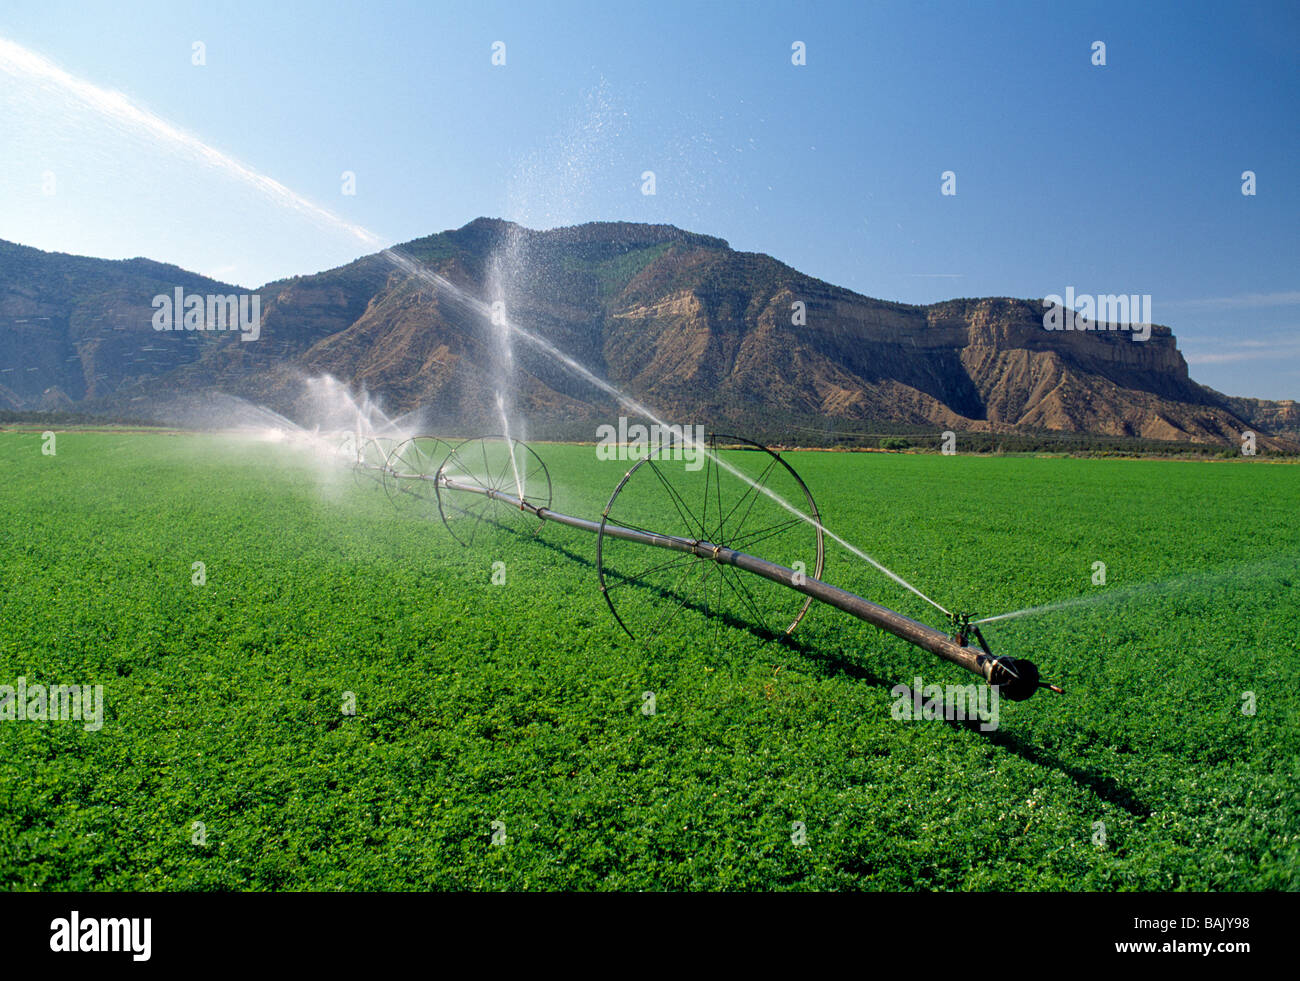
{"x":760,"y":483}
{"x":752,"y":489}
{"x":665,"y":624}
{"x":754,"y":537}
{"x":717,"y":485}
{"x":704,"y":515}
{"x":682,"y":510}
{"x":635,"y":579}
{"x":747,"y":598}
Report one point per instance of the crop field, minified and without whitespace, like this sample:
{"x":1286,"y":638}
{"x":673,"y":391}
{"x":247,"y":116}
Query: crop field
{"x":349,"y":701}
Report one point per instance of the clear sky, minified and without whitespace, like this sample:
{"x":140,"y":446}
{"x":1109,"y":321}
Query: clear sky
{"x":1123,"y":178}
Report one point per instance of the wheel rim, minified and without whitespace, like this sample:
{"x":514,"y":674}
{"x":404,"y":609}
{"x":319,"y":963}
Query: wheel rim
{"x":491,"y":463}
{"x":410,"y":478}
{"x":372,"y":460}
{"x":647,"y":589}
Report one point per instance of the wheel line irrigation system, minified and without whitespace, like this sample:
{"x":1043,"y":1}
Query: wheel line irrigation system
{"x":412,"y":467}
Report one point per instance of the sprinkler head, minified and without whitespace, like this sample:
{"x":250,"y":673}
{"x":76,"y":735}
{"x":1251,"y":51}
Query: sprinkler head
{"x":961,"y":627}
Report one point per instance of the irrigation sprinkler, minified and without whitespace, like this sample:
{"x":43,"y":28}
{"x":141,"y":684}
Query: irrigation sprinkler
{"x":679,"y":527}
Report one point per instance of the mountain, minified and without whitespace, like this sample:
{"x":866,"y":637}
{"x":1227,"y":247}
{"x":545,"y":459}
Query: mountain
{"x":678,"y":320}
{"x":73,"y":329}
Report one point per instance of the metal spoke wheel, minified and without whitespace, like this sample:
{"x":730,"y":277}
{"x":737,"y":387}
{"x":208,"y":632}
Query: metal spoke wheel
{"x":732,"y":492}
{"x":411,"y":475}
{"x":495,"y":465}
{"x":372,"y":459}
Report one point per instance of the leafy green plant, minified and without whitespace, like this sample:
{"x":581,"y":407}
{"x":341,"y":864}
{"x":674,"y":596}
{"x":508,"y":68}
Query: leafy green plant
{"x":522,"y":703}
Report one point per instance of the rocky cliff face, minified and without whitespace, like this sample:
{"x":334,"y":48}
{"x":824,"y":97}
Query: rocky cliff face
{"x":677,"y":320}
{"x":1103,"y":382}
{"x":1281,"y":418}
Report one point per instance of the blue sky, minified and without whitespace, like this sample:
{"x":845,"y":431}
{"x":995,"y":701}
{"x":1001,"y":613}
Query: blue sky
{"x":1117,"y":179}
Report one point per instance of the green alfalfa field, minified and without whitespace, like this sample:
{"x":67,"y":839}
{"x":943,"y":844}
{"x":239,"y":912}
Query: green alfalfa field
{"x":499,"y":739}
